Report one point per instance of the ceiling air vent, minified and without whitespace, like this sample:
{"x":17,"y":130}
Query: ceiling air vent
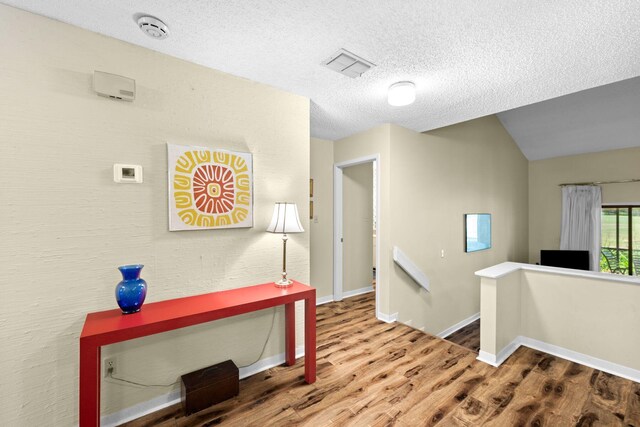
{"x":348,"y":64}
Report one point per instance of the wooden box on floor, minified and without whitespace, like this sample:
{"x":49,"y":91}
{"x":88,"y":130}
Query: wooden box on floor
{"x":208,"y":386}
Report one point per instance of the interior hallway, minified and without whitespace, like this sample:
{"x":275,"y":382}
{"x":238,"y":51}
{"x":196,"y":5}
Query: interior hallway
{"x":374,"y":373}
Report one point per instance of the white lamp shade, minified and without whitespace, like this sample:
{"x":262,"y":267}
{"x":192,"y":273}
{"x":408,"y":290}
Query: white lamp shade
{"x":401,"y":93}
{"x":285,"y":219}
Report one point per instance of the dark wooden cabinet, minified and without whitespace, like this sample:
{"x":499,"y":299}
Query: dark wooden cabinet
{"x":208,"y":386}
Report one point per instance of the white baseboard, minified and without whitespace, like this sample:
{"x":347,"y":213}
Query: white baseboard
{"x":574,"y":356}
{"x":458,"y":326}
{"x":324,"y":300}
{"x":173,"y":397}
{"x":584,"y":359}
{"x":269,"y":362}
{"x":388,"y":318}
{"x":329,"y":298}
{"x":496,"y":361}
{"x":355,"y":292}
{"x":141,"y":409}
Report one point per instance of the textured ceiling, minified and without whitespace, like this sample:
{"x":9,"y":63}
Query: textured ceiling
{"x":467,"y":58}
{"x":603,"y":118}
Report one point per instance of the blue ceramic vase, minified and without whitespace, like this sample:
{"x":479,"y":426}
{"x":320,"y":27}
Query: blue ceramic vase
{"x":132,"y":290}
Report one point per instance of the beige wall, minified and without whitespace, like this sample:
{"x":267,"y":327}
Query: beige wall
{"x":321,"y":227}
{"x":500,"y":310}
{"x":545,"y":196}
{"x":65,"y":225}
{"x":436,"y":178}
{"x":375,"y":141}
{"x":595,"y":316}
{"x":357,"y":204}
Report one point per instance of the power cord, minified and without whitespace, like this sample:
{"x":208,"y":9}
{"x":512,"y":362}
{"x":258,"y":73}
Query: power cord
{"x":264,"y":347}
{"x":110,"y":375}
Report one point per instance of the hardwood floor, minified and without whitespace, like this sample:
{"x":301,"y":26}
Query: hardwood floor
{"x":372,"y":373}
{"x":468,"y":337}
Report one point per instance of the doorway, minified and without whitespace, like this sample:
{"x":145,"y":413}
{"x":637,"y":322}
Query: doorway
{"x":357,"y":227}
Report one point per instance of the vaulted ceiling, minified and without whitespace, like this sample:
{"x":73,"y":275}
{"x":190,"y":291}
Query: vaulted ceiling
{"x":467,"y":58}
{"x":599,"y":119}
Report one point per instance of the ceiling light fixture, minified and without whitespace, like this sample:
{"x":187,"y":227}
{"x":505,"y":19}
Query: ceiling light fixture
{"x":401,"y":93}
{"x":153,"y":27}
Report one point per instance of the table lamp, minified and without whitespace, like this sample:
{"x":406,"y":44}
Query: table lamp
{"x":285,"y":220}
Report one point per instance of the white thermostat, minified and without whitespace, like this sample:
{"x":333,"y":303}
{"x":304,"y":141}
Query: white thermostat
{"x":131,"y":174}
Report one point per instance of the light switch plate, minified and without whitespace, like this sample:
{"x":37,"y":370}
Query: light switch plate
{"x":127,"y":174}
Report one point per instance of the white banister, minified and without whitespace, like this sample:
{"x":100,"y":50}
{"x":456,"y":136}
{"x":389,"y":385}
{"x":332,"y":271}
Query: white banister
{"x":405,"y":263}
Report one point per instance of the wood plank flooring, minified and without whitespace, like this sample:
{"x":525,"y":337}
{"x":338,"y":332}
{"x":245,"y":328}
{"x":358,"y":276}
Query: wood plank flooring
{"x":468,"y":337}
{"x":372,"y":373}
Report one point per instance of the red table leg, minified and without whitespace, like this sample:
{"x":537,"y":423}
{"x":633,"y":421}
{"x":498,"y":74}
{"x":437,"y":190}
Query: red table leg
{"x":89,"y":384}
{"x":290,"y":333}
{"x":310,"y":339}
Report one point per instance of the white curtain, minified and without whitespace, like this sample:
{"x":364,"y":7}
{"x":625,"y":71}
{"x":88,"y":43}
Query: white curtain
{"x":581,"y":209}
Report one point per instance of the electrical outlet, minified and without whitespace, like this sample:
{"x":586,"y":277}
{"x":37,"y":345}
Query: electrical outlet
{"x":110,"y":364}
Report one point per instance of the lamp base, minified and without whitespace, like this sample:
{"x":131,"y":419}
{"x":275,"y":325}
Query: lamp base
{"x":283,"y":283}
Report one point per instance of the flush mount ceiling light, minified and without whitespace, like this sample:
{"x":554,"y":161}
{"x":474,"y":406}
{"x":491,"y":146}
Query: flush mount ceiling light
{"x":401,"y":93}
{"x":153,"y":27}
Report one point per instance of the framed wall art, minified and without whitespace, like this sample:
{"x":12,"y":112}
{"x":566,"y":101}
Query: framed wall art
{"x":209,"y":188}
{"x":477,"y":232}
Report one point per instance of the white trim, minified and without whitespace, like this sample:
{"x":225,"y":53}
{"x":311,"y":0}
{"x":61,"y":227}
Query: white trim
{"x":564,"y":353}
{"x":507,"y":351}
{"x":493,"y":360}
{"x":458,"y":326}
{"x":409,"y":267}
{"x":269,"y":362}
{"x":355,"y":292}
{"x":388,"y":318}
{"x":337,"y":233}
{"x":338,"y":227}
{"x":505,"y":268}
{"x":324,"y":300}
{"x":141,"y":409}
{"x":173,"y":396}
{"x":584,"y":359}
{"x":486,"y":357}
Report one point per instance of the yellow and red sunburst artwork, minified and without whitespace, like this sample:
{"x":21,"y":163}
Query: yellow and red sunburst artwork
{"x":209,"y":188}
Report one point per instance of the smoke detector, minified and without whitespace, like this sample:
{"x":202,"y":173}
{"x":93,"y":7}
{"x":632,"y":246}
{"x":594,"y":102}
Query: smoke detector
{"x":153,"y":27}
{"x":348,"y":64}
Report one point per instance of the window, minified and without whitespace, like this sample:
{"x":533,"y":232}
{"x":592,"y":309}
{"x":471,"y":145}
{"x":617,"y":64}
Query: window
{"x":620,"y":245}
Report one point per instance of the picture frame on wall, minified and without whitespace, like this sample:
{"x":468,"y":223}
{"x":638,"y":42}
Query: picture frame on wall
{"x":209,"y":188}
{"x":477,"y":232}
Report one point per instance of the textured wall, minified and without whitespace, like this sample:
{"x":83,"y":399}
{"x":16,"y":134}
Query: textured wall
{"x":436,"y":178}
{"x":65,"y":226}
{"x":545,"y":196}
{"x":321,"y":228}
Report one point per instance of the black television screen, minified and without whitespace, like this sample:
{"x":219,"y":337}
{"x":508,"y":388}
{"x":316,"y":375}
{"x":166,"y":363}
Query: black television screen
{"x":578,"y":260}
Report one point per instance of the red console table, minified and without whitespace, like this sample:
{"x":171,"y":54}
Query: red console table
{"x":109,"y":327}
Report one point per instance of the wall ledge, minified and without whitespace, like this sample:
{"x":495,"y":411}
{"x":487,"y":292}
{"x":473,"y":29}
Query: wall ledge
{"x":506,"y":268}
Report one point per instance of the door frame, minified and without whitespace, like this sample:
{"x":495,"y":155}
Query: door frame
{"x":338,"y":212}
